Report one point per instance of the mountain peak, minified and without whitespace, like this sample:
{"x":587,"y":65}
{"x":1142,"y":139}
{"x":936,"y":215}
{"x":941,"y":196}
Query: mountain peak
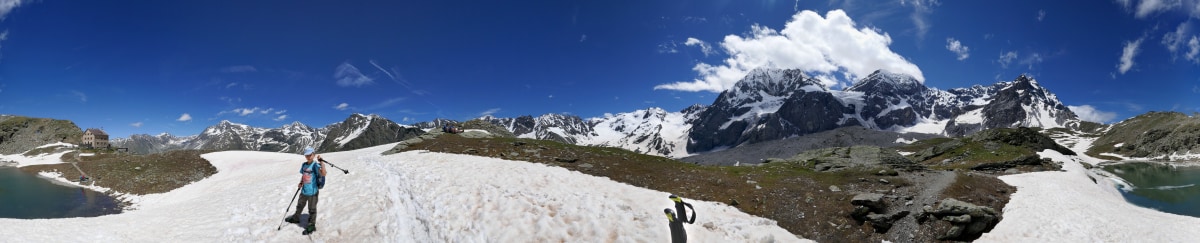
{"x":883,"y":81}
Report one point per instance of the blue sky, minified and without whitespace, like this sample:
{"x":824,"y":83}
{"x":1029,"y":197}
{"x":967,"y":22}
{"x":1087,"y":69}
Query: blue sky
{"x":179,"y":66}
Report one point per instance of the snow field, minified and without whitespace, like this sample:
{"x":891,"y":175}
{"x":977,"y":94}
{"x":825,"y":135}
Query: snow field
{"x":1066,"y":206}
{"x":415,"y":196}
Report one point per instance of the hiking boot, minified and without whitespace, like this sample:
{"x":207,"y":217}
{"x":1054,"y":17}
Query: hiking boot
{"x":311,"y":228}
{"x":293,"y":219}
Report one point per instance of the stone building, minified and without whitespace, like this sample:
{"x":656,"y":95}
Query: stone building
{"x":95,"y":138}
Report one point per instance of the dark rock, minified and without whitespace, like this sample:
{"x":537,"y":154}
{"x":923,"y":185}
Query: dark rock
{"x":969,"y":220}
{"x":874,"y":201}
{"x":883,"y":222}
{"x":566,"y":160}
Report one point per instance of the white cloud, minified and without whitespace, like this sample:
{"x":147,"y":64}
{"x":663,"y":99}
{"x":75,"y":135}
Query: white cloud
{"x":3,"y":35}
{"x":1041,"y":15}
{"x":582,"y":38}
{"x":704,"y":46}
{"x":230,"y":85}
{"x":958,"y":48}
{"x":6,"y":6}
{"x":489,"y":112}
{"x":136,"y":124}
{"x":386,"y":103}
{"x":342,"y":106}
{"x":1193,"y":50}
{"x":1007,"y":58}
{"x":251,"y":111}
{"x":1031,"y":60}
{"x":1127,"y":54}
{"x":280,"y":118}
{"x":1147,"y":8}
{"x":82,"y":97}
{"x":668,"y":47}
{"x":1089,"y":113}
{"x":920,"y":16}
{"x":184,"y":117}
{"x":1175,"y":39}
{"x":347,"y":75}
{"x":814,"y":44}
{"x":239,"y":69}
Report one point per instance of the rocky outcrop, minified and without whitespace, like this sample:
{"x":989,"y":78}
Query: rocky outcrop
{"x":968,"y":221}
{"x":19,"y":134}
{"x":993,"y":150}
{"x":1155,"y":135}
{"x":871,"y":208}
{"x":1021,"y":137}
{"x":860,"y":157}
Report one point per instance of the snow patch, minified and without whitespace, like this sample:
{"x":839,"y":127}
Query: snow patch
{"x":415,"y":196}
{"x":1068,"y":207}
{"x":906,"y":141}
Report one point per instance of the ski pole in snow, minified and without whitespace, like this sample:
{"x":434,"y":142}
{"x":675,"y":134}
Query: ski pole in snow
{"x":335,"y":166}
{"x":285,"y":210}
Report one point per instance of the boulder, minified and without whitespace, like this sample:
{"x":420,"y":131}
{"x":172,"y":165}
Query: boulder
{"x":969,"y":220}
{"x":873,"y":201}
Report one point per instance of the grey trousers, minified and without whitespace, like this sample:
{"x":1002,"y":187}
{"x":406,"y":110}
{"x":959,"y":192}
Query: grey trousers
{"x":312,"y":208}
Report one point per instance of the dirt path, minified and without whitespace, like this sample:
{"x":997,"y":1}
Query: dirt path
{"x":930,"y":184}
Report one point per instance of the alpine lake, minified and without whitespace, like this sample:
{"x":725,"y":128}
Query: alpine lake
{"x":1163,"y":187}
{"x":27,"y":196}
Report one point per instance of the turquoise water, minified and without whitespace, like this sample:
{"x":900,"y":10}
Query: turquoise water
{"x":1161,"y":187}
{"x":27,"y":196}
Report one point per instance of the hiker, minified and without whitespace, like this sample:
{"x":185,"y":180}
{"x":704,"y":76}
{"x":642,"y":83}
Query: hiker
{"x":679,"y":204}
{"x":308,"y":189}
{"x":678,"y":235}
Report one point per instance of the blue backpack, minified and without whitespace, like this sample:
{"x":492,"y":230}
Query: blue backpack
{"x":317,"y":177}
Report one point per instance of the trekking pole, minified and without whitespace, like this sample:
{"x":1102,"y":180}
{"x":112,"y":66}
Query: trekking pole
{"x":335,"y":166}
{"x":285,"y":210}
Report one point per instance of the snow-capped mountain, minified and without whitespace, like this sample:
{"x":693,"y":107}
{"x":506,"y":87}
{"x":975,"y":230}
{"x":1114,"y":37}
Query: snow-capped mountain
{"x":361,"y":131}
{"x":770,"y":104}
{"x":651,"y":131}
{"x":357,"y":131}
{"x":148,"y":144}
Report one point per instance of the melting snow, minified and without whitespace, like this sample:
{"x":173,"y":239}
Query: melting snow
{"x":416,"y":196}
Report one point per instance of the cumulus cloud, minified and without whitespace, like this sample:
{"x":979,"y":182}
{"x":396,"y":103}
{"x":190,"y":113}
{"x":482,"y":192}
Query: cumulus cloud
{"x":280,"y":118}
{"x":1089,"y":113}
{"x":347,"y":75}
{"x":1127,"y":54}
{"x":1007,"y":58}
{"x":184,"y":117}
{"x":704,"y":46}
{"x":136,"y":124}
{"x":817,"y":45}
{"x":958,"y":48}
{"x":342,"y":106}
{"x":1041,"y":15}
{"x":489,"y":112}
